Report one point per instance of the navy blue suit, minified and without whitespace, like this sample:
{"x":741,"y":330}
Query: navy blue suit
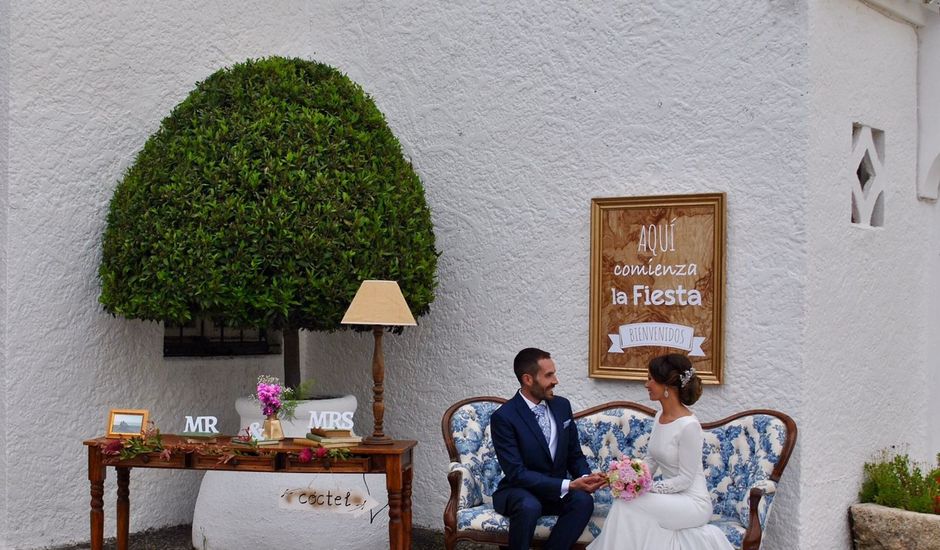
{"x":532,"y":483}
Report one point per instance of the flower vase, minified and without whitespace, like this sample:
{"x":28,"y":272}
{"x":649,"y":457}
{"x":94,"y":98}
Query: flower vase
{"x":272,"y":428}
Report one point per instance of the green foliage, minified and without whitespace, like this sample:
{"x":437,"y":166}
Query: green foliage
{"x":265,"y":198}
{"x":896,"y":481}
{"x":292,"y":397}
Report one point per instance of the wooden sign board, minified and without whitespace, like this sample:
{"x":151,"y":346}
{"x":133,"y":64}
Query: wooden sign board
{"x":657,"y":283}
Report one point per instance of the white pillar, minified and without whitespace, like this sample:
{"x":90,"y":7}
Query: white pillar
{"x":928,"y":78}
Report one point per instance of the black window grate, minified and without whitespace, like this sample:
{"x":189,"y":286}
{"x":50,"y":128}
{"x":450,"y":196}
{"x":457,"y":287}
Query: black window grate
{"x":208,"y":338}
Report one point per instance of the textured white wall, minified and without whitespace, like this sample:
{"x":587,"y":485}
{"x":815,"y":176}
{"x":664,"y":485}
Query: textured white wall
{"x":933,"y":339}
{"x":515,"y":115}
{"x":928,"y":80}
{"x":868,"y":288}
{"x":4,"y":147}
{"x":87,"y":86}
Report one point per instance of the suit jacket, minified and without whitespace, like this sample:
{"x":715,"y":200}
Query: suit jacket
{"x":523,"y":452}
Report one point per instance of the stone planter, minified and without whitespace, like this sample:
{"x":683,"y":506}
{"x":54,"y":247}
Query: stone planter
{"x":876,"y":527}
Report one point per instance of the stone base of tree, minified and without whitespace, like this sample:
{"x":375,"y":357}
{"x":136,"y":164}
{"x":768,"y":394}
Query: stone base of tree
{"x":876,"y":527}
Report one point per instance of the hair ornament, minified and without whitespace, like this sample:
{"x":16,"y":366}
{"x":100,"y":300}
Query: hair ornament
{"x":686,"y":376}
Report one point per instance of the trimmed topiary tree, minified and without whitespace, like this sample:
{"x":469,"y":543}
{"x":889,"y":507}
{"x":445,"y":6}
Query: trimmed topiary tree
{"x":264,"y":199}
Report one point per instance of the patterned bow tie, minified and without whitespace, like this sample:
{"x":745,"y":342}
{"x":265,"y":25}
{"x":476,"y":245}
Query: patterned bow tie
{"x":541,"y":415}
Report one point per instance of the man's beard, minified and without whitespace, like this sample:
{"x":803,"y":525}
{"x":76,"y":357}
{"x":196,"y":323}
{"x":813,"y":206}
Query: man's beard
{"x":541,"y":392}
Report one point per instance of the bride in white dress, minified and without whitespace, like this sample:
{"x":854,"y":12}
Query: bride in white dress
{"x":674,"y":514}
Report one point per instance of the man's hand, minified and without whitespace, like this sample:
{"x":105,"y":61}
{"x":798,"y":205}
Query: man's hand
{"x":589,"y":483}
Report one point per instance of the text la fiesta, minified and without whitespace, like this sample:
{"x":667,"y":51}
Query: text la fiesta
{"x":644,"y":295}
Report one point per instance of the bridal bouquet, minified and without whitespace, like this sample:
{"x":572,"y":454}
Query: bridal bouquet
{"x":629,"y":478}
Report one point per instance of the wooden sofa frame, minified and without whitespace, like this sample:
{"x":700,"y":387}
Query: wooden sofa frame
{"x":752,"y":537}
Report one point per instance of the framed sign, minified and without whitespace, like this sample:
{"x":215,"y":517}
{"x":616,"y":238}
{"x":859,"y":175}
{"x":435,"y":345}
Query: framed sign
{"x":657,"y":283}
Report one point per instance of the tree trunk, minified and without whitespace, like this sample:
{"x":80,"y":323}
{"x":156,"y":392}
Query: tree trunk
{"x":291,"y":357}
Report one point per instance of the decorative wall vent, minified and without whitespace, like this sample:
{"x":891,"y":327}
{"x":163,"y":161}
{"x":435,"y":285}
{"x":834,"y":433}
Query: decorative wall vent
{"x":867,"y":176}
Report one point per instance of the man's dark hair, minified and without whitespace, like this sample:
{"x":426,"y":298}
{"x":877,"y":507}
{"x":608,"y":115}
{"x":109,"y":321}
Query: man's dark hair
{"x":527,"y":362}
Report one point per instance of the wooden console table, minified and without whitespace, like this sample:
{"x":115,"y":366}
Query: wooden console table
{"x":395,"y":461}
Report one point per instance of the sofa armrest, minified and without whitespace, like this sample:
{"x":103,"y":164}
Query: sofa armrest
{"x":468,"y":492}
{"x":450,"y":510}
{"x":754,"y":533}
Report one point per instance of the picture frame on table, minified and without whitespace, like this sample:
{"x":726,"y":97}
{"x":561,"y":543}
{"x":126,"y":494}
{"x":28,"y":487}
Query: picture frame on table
{"x":123,"y":423}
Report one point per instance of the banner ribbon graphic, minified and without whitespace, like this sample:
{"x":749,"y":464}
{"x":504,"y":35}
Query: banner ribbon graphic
{"x":657,"y":334}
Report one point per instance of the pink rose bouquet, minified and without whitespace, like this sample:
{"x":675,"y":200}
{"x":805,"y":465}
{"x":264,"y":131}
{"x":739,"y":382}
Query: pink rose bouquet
{"x":629,"y":478}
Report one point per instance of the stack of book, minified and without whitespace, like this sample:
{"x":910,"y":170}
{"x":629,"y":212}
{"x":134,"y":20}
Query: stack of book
{"x":330,"y":439}
{"x":241,"y":441}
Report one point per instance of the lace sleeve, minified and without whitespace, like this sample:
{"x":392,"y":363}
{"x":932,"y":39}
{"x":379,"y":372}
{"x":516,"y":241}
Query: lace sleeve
{"x":690,"y":461}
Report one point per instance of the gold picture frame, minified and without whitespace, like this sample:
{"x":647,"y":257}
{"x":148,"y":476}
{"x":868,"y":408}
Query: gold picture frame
{"x":657,"y":284}
{"x":127,"y":422}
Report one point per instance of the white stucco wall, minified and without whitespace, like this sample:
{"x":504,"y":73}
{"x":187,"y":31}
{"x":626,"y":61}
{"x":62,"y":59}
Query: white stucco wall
{"x":929,"y":120}
{"x":87,"y":86}
{"x":516,"y":115}
{"x":933,"y":340}
{"x":867,"y":293}
{"x":4,"y":146}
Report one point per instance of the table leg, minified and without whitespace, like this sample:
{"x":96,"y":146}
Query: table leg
{"x":123,"y":506}
{"x":96,"y":475}
{"x":406,"y":505}
{"x":393,"y":481}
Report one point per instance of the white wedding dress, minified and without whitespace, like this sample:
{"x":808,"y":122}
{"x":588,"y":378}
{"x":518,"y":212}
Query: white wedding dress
{"x":674,"y":514}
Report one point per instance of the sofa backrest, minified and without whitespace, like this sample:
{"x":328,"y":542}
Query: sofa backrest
{"x":466,"y":428}
{"x":745,"y":450}
{"x":738,"y":453}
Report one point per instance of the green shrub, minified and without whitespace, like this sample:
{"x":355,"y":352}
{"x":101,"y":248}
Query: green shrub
{"x":898,"y":482}
{"x":265,"y":198}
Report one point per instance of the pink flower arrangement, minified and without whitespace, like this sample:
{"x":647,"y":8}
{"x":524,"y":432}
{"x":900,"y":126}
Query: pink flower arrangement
{"x":305,"y":455}
{"x":629,"y":478}
{"x":269,"y":394}
{"x":113,"y":447}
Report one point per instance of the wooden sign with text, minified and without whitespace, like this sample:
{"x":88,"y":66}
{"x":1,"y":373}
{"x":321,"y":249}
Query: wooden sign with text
{"x":657,"y":283}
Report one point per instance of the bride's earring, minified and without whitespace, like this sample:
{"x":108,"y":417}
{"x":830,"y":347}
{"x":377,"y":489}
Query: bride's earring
{"x":666,"y":393}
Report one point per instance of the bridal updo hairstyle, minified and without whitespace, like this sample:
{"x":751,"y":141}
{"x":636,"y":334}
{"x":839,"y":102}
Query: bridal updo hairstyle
{"x":667,"y":369}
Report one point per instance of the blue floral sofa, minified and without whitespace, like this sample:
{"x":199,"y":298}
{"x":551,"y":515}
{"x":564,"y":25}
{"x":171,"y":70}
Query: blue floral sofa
{"x":744,"y":456}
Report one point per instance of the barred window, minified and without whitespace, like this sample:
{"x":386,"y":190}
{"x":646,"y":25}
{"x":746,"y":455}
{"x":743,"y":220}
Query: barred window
{"x":207,"y":338}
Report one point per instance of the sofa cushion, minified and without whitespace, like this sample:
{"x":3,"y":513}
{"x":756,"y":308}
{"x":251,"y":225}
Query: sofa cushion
{"x":484,"y":518}
{"x":733,"y":530}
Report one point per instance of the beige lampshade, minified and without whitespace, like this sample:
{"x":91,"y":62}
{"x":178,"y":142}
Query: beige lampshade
{"x":379,"y":303}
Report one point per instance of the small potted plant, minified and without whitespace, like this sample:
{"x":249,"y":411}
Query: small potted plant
{"x":899,"y":504}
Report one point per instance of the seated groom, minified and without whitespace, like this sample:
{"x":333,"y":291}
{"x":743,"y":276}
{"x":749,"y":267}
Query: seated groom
{"x":537,"y":445}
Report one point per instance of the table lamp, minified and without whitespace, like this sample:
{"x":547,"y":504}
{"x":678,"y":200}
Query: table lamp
{"x":380,"y":304}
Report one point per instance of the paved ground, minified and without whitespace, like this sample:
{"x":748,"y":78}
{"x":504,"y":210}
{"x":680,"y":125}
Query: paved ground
{"x":179,"y":538}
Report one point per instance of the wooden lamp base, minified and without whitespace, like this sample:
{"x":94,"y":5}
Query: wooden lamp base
{"x":378,"y":437}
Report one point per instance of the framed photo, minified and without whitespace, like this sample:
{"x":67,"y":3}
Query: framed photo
{"x":657,"y":283}
{"x":127,"y":422}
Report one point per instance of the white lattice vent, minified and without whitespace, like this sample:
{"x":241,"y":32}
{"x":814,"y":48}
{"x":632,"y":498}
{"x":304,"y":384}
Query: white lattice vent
{"x":867,"y":176}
